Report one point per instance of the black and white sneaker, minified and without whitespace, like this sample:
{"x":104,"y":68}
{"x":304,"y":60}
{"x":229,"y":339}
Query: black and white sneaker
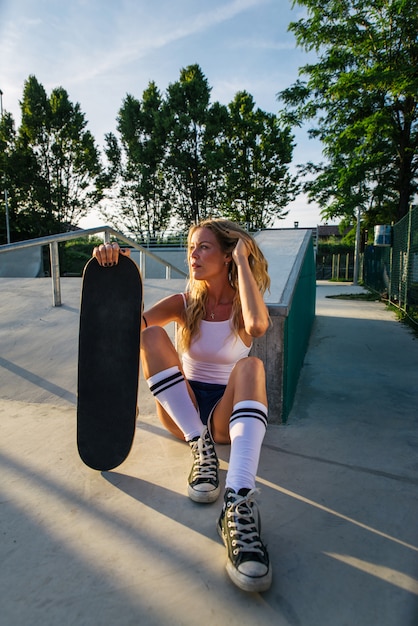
{"x":248,"y":563}
{"x":203,"y":478}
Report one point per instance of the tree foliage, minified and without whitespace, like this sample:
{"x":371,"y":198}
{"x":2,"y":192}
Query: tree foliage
{"x":188,"y":112}
{"x":363,"y":95}
{"x":182,"y":157}
{"x":174,"y":159}
{"x":258,"y":183}
{"x":51,"y":163}
{"x":65,"y":157}
{"x":135,"y":179}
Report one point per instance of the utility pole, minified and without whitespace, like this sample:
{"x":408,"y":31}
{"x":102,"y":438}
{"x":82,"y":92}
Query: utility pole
{"x":6,"y":200}
{"x":357,"y":248}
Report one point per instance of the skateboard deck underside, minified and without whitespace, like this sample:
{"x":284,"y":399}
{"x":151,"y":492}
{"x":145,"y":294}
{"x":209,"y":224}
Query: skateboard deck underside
{"x":108,"y":369}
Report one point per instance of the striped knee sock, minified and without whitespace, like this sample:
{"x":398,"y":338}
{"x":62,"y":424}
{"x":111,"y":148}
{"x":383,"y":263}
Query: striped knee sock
{"x":170,"y":389}
{"x":247,"y":428}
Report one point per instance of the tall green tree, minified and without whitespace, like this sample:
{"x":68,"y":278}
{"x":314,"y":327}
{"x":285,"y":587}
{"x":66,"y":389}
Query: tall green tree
{"x":258,"y":184}
{"x":193,"y":149}
{"x":215,"y":153}
{"x":363,"y":97}
{"x":136,"y":167}
{"x":64,"y":158}
{"x":7,"y":142}
{"x":19,"y":173}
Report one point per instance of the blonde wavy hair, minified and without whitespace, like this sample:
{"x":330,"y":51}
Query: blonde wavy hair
{"x":227,"y":234}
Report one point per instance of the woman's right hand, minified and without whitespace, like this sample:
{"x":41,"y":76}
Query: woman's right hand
{"x":107,"y":254}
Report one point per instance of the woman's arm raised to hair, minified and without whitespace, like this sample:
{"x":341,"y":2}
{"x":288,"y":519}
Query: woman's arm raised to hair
{"x":254,"y":309}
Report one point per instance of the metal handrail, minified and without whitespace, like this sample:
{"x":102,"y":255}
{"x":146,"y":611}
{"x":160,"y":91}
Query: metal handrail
{"x":53,"y":240}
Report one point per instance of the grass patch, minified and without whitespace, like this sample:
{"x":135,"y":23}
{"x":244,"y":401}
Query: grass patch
{"x":409,"y":318}
{"x":364,"y":297}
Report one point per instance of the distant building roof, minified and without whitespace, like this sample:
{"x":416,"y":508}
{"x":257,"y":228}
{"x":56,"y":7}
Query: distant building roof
{"x":323,"y":231}
{"x":328,"y":231}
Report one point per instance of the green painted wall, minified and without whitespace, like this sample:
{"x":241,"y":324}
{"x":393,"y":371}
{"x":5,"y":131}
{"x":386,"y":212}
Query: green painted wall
{"x":297,"y":328}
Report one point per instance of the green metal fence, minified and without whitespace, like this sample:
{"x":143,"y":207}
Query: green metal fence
{"x":393,"y":270}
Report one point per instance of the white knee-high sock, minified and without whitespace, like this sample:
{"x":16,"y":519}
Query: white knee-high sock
{"x":170,"y":389}
{"x":247,"y":428}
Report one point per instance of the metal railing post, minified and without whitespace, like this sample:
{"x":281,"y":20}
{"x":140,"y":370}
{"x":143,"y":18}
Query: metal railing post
{"x":55,"y":273}
{"x":142,"y":263}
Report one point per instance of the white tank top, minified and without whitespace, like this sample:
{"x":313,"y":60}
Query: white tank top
{"x":213,"y":354}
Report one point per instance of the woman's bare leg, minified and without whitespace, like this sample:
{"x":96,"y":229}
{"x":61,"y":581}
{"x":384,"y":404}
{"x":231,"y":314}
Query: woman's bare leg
{"x":247,"y":382}
{"x":157,"y":351}
{"x":179,"y":413}
{"x":158,"y":354}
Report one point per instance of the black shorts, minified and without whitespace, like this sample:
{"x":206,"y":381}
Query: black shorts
{"x":207,"y":396}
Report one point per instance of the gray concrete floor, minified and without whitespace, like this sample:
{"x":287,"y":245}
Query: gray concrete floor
{"x":339,"y":497}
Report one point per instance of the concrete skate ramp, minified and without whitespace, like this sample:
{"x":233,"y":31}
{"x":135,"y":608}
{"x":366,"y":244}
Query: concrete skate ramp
{"x":338,"y":500}
{"x":291,"y":304}
{"x":21,"y":263}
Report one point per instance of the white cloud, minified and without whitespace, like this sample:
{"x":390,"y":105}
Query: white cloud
{"x":130,"y":44}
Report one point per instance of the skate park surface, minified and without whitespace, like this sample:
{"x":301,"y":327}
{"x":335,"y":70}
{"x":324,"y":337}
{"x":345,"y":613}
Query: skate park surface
{"x":338,"y":485}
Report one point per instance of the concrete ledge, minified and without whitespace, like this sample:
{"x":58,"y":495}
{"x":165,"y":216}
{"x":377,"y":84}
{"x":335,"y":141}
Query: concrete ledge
{"x":291,"y":304}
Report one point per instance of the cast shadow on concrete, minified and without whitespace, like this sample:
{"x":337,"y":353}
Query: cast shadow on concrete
{"x":38,"y":381}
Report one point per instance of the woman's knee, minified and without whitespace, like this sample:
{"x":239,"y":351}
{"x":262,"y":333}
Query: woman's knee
{"x":251,"y":367}
{"x":153,"y":332}
{"x":248,"y":379}
{"x":153,"y":336}
{"x":157,"y":351}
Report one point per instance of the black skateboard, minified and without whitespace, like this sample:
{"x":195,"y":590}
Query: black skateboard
{"x":108,"y":362}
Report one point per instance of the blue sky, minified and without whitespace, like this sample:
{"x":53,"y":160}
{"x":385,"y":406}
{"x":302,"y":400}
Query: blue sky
{"x":100,"y":50}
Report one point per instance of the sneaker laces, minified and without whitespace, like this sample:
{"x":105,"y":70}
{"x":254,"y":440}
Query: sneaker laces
{"x":241,"y":522}
{"x":205,"y":464}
